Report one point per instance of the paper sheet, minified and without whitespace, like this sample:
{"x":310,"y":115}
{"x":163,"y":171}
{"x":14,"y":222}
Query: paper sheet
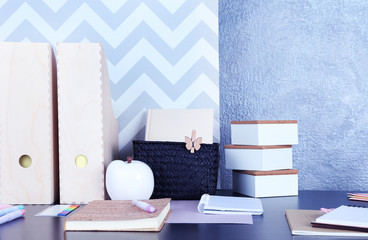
{"x":52,"y":211}
{"x":186,"y":211}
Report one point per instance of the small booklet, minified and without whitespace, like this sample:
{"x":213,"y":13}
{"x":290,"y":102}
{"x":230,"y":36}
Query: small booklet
{"x":212,"y":204}
{"x":345,"y":216}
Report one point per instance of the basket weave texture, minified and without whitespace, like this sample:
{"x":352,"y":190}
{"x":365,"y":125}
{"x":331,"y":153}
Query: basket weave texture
{"x":179,"y":174}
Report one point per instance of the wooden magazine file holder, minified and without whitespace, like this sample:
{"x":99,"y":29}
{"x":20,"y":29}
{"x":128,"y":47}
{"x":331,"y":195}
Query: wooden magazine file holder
{"x":28,"y":124}
{"x":88,"y":130}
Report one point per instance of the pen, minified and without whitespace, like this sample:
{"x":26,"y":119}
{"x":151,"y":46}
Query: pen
{"x":2,"y":206}
{"x":10,"y":209}
{"x":12,"y":215}
{"x":144,"y":206}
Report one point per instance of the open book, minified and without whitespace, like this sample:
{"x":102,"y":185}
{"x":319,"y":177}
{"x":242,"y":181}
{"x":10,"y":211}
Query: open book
{"x":118,"y":215}
{"x":229,"y":205}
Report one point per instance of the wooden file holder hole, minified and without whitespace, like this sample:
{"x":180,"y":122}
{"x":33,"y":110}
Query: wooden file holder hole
{"x":81,"y":161}
{"x":25,"y":161}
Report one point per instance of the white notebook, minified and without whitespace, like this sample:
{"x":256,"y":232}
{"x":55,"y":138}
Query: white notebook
{"x":229,"y":205}
{"x":351,"y":216}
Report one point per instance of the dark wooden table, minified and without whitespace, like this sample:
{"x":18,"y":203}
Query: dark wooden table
{"x":271,"y":225}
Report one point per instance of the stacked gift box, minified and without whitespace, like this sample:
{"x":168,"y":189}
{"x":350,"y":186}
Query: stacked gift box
{"x":260,"y":157}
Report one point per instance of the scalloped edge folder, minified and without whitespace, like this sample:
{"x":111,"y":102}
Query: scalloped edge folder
{"x":28,"y":124}
{"x":88,"y":129}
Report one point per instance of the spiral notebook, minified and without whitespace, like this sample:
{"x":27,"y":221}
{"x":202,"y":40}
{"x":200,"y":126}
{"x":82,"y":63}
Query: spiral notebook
{"x":352,"y":217}
{"x":212,"y":204}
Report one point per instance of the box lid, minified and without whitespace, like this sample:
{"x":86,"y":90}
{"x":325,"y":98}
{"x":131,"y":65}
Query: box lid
{"x":266,"y":173}
{"x":234,"y":146}
{"x":266,"y":122}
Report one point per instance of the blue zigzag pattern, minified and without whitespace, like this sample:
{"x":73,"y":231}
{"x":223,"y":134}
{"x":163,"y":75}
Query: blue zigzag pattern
{"x":159,"y":56}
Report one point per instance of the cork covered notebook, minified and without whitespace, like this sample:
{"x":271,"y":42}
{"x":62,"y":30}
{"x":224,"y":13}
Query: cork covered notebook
{"x":118,"y":215}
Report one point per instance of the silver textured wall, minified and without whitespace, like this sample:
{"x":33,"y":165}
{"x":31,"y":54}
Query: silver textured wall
{"x":302,"y":60}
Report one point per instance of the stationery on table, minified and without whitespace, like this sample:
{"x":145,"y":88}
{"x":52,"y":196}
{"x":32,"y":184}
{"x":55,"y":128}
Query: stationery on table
{"x":358,"y":196}
{"x":9,"y":212}
{"x":67,"y":210}
{"x":344,"y":217}
{"x":2,"y":206}
{"x":57,"y":211}
{"x":229,"y":205}
{"x":300,"y":224}
{"x":186,"y":211}
{"x":10,"y":209}
{"x":11,"y":216}
{"x":119,"y":215}
{"x":144,"y":206}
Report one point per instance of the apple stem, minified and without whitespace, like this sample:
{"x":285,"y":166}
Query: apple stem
{"x":129,"y":159}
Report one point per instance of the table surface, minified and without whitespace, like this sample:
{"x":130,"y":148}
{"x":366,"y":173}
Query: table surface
{"x":271,"y":225}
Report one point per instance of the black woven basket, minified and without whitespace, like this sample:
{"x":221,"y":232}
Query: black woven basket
{"x":178,"y":173}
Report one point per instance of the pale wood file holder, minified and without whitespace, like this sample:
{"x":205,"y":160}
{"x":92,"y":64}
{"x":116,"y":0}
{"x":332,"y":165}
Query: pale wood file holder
{"x":88,"y":130}
{"x":28,"y":150}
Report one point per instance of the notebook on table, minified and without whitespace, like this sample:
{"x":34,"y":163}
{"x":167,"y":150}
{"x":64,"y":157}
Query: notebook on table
{"x":212,"y":204}
{"x":300,"y":224}
{"x":344,"y":217}
{"x":118,"y":215}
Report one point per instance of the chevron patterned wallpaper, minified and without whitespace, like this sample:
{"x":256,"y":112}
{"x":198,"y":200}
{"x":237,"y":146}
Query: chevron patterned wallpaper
{"x":160,"y":53}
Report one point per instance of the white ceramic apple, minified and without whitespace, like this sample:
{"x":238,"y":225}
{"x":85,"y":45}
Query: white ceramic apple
{"x":129,"y":180}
